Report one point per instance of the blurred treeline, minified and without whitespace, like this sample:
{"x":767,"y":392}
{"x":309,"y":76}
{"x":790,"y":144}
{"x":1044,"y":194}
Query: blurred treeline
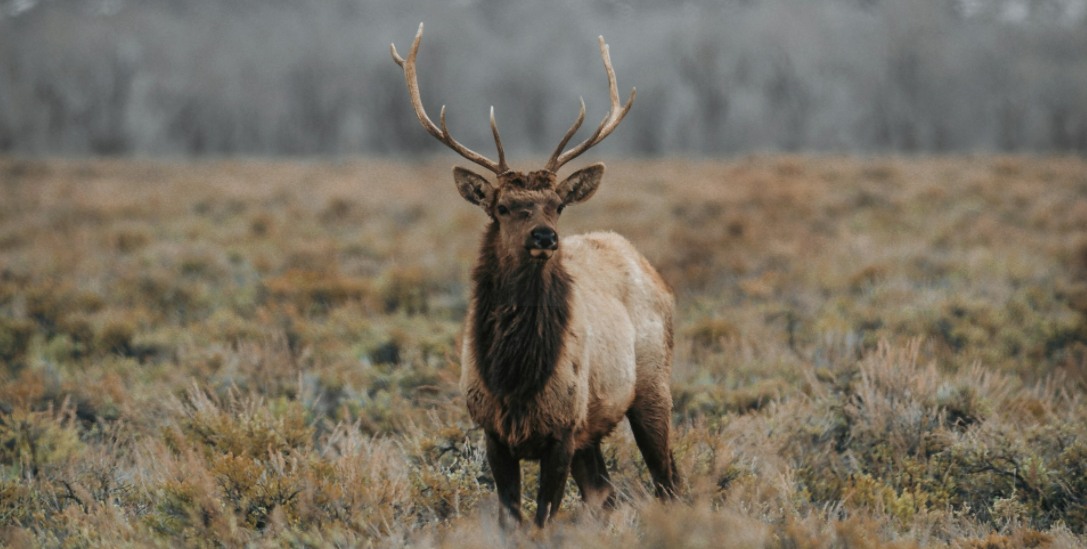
{"x":297,"y":77}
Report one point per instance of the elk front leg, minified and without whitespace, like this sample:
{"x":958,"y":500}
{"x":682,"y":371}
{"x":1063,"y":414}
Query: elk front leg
{"x":506,"y":470}
{"x":554,"y":468}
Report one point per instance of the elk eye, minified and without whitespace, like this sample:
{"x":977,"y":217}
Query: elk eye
{"x":502,"y":210}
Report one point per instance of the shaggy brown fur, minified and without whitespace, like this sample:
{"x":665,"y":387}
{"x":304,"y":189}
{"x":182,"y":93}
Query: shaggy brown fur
{"x":520,"y":326}
{"x":539,"y":180}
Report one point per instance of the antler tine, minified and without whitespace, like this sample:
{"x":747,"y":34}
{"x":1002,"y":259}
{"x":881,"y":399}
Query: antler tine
{"x":615,"y":115}
{"x":498,"y":143}
{"x":442,"y":133}
{"x":566,"y":138}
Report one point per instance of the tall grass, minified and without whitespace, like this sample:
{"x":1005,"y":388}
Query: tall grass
{"x":887,"y":352}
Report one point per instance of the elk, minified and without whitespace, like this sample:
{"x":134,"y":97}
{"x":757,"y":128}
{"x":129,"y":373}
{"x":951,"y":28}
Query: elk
{"x":563,"y":338}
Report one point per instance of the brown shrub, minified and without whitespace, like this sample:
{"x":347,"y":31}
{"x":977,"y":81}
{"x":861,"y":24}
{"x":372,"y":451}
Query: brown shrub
{"x":319,"y":291}
{"x":15,"y":336}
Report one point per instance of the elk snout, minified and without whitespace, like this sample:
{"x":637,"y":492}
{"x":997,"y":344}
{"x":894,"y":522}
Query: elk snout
{"x":542,"y":242}
{"x":545,"y":238}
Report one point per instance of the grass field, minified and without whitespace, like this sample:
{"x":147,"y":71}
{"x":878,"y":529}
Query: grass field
{"x":882,"y":352}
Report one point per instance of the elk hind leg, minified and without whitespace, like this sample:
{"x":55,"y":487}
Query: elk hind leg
{"x":650,"y":421}
{"x":591,"y":475}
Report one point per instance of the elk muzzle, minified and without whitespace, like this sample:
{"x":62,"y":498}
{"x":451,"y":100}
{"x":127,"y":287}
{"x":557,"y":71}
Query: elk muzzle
{"x":542,"y":242}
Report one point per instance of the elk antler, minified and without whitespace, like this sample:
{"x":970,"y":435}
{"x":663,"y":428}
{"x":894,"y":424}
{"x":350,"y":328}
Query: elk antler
{"x":615,"y":115}
{"x":442,"y":134}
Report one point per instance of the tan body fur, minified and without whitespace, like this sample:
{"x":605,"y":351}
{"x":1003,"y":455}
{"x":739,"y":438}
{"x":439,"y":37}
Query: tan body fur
{"x":618,"y":347}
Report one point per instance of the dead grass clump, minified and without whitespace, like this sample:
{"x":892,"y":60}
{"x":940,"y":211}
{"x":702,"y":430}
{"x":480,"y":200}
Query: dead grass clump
{"x":1023,"y":539}
{"x":256,"y":488}
{"x":868,"y":276}
{"x":1075,"y":295}
{"x":713,"y":333}
{"x":218,"y":209}
{"x":711,"y":401}
{"x":37,"y":442}
{"x":261,"y":225}
{"x":880,"y":171}
{"x":200,"y":262}
{"x":1008,"y":166}
{"x":1076,"y":259}
{"x":705,"y":226}
{"x":449,"y":477}
{"x":339,"y":209}
{"x":962,"y":404}
{"x":168,"y":296}
{"x":230,"y":326}
{"x":15,"y":336}
{"x":76,"y":337}
{"x":28,"y":388}
{"x":115,"y":335}
{"x":130,"y":239}
{"x":406,"y":289}
{"x":319,"y":291}
{"x":701,"y":526}
{"x":242,"y":426}
{"x":47,"y":304}
{"x":264,"y":364}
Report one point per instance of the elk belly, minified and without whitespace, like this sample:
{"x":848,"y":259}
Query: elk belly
{"x":610,"y":372}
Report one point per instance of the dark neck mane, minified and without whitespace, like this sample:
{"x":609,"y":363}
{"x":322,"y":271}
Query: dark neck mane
{"x":521,"y":315}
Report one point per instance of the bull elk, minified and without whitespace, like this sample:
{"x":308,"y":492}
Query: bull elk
{"x":563,"y":338}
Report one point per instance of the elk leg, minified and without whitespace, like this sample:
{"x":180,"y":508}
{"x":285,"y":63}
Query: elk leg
{"x":591,"y":475}
{"x":650,"y":422}
{"x":506,"y":470}
{"x":554,"y":468}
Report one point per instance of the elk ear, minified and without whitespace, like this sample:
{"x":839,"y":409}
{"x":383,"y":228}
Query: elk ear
{"x":473,"y":187}
{"x":581,"y":184}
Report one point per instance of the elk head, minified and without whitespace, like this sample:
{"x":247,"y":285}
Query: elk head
{"x":524,"y":205}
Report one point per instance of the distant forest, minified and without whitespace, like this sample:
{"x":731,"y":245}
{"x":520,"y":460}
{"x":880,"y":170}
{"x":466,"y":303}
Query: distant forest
{"x":314,"y":77}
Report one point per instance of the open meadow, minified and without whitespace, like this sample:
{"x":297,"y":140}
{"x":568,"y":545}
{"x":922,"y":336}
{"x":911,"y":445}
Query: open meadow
{"x":870,"y":352}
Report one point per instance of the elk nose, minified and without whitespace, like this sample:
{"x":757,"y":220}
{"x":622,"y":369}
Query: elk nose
{"x":545,"y":238}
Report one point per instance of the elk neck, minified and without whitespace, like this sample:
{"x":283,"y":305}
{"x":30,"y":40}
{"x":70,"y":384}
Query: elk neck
{"x":521,"y":313}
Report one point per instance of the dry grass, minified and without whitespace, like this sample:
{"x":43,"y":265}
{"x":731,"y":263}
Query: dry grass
{"x":871,"y":353}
